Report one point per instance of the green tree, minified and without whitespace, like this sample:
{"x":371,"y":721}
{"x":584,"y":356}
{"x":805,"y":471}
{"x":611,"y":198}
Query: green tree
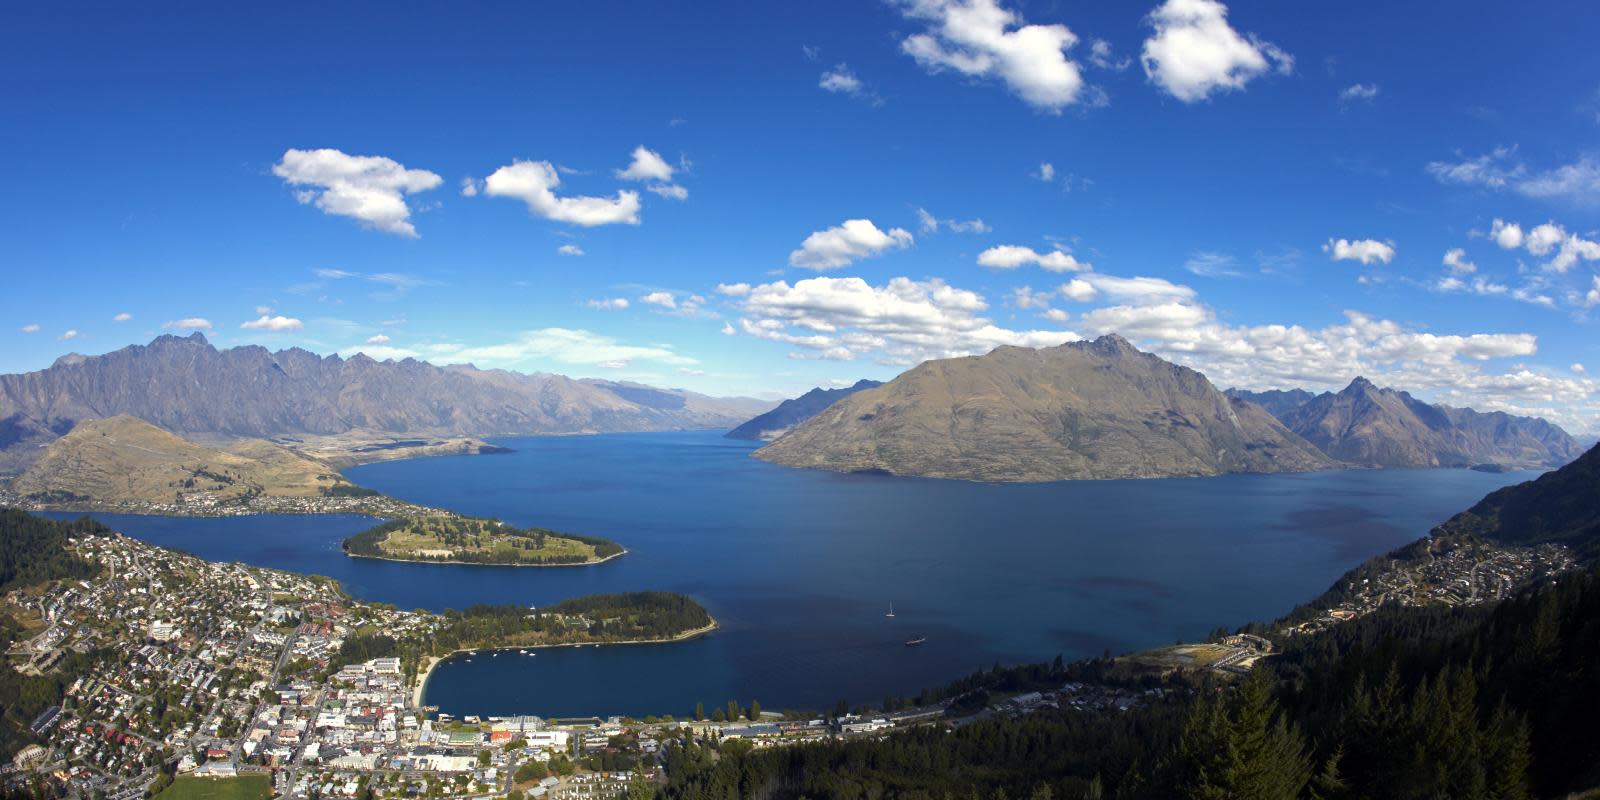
{"x":1242,"y":747}
{"x":755,"y":710}
{"x":699,"y":711}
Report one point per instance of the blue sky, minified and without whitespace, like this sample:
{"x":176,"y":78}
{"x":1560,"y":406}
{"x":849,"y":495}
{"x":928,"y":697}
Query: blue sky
{"x":1290,"y":184}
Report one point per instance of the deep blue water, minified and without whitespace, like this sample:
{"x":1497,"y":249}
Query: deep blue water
{"x":800,"y":566}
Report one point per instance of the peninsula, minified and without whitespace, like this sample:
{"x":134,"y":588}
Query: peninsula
{"x":442,"y":538}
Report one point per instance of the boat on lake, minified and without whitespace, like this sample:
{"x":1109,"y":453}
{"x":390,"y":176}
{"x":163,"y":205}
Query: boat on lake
{"x":916,"y":640}
{"x":891,"y":611}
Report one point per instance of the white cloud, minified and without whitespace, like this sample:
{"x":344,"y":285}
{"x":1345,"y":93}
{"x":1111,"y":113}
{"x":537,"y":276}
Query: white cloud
{"x":608,"y":304}
{"x":926,"y":222}
{"x":566,"y":346}
{"x":1479,"y":286}
{"x":733,"y":289}
{"x":570,"y":250}
{"x":1506,"y":234}
{"x":1047,"y":172}
{"x":534,"y":183}
{"x":841,"y":245}
{"x":469,"y":187}
{"x":1366,"y":251}
{"x":901,"y":322}
{"x":1592,"y":299}
{"x":671,"y":191}
{"x":29,"y":328}
{"x":1543,"y":240}
{"x":1078,"y":290}
{"x":1057,"y":315}
{"x":840,"y":79}
{"x":1011,"y":256}
{"x":370,"y":189}
{"x":662,"y":299}
{"x":380,"y":338}
{"x":188,"y":324}
{"x":276,"y":324}
{"x":1358,"y":93}
{"x":1456,"y":260}
{"x":1194,"y":52}
{"x":978,"y":38}
{"x":1577,"y":183}
{"x":68,"y":335}
{"x":123,"y":317}
{"x":728,"y":330}
{"x":1577,"y":369}
{"x":263,"y":309}
{"x":1138,"y":290}
{"x":647,"y":165}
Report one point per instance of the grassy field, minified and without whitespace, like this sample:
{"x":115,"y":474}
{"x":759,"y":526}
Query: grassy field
{"x":244,"y":787}
{"x":438,"y":537}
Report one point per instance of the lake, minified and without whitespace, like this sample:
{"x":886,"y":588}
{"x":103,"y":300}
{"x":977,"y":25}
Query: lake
{"x":799,"y":567}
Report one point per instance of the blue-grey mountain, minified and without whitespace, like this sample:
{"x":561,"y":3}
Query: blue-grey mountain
{"x":794,"y":411}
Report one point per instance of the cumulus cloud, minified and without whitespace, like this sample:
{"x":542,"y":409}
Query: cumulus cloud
{"x":1194,"y":53}
{"x":1046,"y":172}
{"x":188,"y":324}
{"x":68,"y":335}
{"x":469,"y":187}
{"x":1139,"y":290}
{"x":1102,"y":56}
{"x":378,"y":339}
{"x":1078,"y":290}
{"x":843,"y":244}
{"x":1026,"y":297}
{"x":733,"y":289}
{"x":1577,"y":368}
{"x":902,"y":322}
{"x":369,"y":189}
{"x":29,"y":328}
{"x":123,"y":317}
{"x":662,"y":299}
{"x":608,"y":304}
{"x":1366,"y":251}
{"x":1057,"y":315}
{"x":980,"y":39}
{"x":1592,"y":299}
{"x":649,"y":167}
{"x":570,"y":250}
{"x":1506,"y":234}
{"x":1456,"y":260}
{"x":534,"y":183}
{"x":1011,"y":256}
{"x":1565,"y":249}
{"x":276,"y":324}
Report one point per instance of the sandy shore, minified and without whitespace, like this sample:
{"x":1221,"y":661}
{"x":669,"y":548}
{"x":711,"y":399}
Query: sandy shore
{"x":433,"y":661}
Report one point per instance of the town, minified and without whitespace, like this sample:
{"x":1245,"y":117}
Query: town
{"x":203,"y":504}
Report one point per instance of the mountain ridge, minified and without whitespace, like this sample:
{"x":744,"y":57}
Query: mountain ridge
{"x":187,"y":386}
{"x":1083,"y":410}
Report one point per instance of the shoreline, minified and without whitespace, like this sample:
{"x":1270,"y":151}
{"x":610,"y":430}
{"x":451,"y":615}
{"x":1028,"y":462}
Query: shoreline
{"x":432,"y":662}
{"x":594,"y":563}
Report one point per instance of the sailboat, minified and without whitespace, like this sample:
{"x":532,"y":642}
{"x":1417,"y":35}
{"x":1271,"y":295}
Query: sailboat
{"x":891,"y":611}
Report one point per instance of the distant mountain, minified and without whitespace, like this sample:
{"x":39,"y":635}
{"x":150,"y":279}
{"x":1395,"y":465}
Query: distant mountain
{"x":1372,"y":427}
{"x":1277,"y":402}
{"x":792,"y":412}
{"x":186,"y":386}
{"x":1560,"y":506}
{"x":1099,"y":409}
{"x":123,"y":459}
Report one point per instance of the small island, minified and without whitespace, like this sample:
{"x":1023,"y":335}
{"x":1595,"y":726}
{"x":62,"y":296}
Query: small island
{"x":454,"y":539}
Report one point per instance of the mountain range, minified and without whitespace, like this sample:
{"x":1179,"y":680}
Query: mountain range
{"x":794,"y":411}
{"x":1092,"y":409}
{"x":187,"y":386}
{"x":1367,"y":426}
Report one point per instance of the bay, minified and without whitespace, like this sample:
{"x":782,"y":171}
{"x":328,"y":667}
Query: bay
{"x":799,"y":567}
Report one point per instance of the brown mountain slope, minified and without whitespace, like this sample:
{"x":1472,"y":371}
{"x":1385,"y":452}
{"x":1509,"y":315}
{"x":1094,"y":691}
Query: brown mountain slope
{"x":1084,"y":410}
{"x":1373,"y":427}
{"x":127,"y":460}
